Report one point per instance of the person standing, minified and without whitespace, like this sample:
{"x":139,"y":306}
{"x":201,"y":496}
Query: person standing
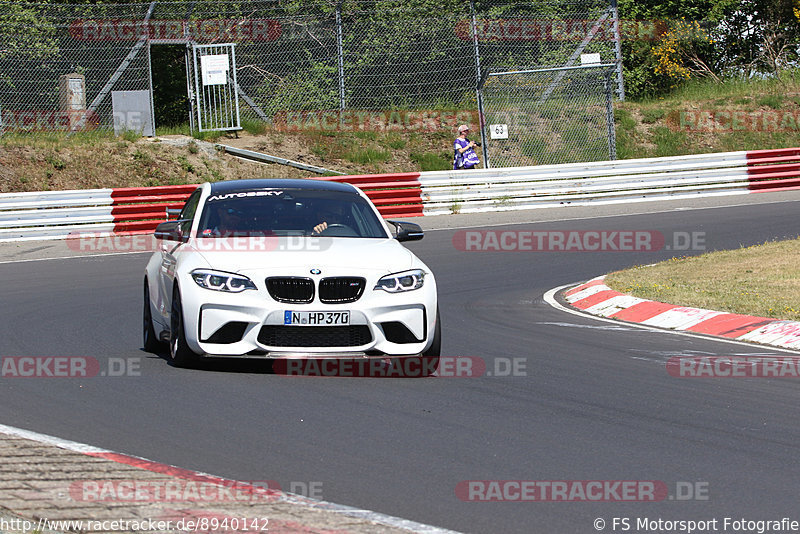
{"x":464,"y":156}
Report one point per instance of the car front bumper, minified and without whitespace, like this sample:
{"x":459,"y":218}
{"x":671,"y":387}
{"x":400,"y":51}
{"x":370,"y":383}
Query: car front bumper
{"x":250,"y":324}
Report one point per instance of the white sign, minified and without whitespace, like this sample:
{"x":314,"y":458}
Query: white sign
{"x":214,"y":69}
{"x":498,"y":131}
{"x":588,"y":59}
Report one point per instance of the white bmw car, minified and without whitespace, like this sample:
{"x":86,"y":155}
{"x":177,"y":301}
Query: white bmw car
{"x":287,"y":269}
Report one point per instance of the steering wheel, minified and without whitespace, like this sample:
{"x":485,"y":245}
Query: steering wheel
{"x":338,"y":230}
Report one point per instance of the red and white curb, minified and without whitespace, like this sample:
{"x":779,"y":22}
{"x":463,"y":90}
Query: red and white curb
{"x":186,"y":474}
{"x":596,"y":298}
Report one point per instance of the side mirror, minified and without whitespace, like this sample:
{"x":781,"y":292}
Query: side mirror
{"x":407,"y":231}
{"x":170,"y":231}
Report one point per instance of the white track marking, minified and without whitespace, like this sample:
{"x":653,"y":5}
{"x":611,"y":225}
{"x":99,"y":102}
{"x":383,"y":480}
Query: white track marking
{"x":369,"y":515}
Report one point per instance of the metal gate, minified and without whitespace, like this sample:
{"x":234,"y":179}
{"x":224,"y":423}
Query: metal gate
{"x":545,"y":116}
{"x":212,"y":78}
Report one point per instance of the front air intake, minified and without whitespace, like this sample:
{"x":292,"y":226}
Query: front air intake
{"x":314,"y":336}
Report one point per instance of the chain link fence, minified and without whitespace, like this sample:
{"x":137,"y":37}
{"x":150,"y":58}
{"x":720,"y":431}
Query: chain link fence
{"x":547,"y":116}
{"x":296,"y":60}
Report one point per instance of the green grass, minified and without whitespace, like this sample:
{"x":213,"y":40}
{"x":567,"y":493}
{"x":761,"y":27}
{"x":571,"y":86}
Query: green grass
{"x":534,"y":147}
{"x":367,"y":135}
{"x":669,"y":142}
{"x":660,"y":131}
{"x":430,"y":161}
{"x":184,"y":129}
{"x":394,"y":141}
{"x":254,"y":127}
{"x":207,"y":136}
{"x":57,"y":163}
{"x":731,"y":90}
{"x":652,"y":115}
{"x":186,"y":165}
{"x":761,"y":280}
{"x":624,"y":119}
{"x":142,"y":157}
{"x":367,"y":155}
{"x":627,"y":145}
{"x":443,"y":134}
{"x":321,"y":150}
{"x":131,"y":136}
{"x":771,"y":101}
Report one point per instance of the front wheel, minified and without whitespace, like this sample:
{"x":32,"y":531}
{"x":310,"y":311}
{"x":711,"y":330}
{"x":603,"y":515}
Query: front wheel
{"x":179,"y":351}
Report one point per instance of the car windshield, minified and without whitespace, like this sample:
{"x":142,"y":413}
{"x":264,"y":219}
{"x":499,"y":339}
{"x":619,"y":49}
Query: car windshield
{"x":289,"y":212}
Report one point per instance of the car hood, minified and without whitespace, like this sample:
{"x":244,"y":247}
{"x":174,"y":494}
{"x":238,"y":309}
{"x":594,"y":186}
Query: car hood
{"x":293,"y":254}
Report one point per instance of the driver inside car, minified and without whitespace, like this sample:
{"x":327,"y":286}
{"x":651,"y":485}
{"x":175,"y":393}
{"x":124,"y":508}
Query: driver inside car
{"x":328,"y":215}
{"x":229,"y":222}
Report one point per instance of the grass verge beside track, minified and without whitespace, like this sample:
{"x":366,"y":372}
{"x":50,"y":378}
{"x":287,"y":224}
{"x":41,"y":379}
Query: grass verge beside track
{"x":761,"y":280}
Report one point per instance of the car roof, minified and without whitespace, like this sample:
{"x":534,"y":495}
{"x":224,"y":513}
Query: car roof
{"x":238,"y":186}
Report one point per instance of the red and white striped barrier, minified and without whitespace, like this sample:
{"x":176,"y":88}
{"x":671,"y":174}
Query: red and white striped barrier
{"x":395,"y":195}
{"x":596,"y":298}
{"x":58,"y":214}
{"x":774,"y":170}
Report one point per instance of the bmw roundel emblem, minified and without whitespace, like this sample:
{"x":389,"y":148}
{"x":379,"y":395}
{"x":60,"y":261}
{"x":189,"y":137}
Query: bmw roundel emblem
{"x":315,"y":271}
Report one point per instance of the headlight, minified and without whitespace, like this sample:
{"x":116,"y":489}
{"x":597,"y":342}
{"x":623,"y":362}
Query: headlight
{"x":219,"y":281}
{"x":405,"y":281}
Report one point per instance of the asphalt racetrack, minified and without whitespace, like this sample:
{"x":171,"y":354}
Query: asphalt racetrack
{"x":589,"y":400}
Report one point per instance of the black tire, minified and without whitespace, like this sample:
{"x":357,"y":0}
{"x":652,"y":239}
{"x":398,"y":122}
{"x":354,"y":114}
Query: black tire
{"x":150,"y":342}
{"x":179,"y":351}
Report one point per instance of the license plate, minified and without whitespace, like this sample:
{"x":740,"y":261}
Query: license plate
{"x":312,"y":318}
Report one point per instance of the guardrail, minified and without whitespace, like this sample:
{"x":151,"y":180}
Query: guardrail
{"x":59,"y":214}
{"x":585,"y":183}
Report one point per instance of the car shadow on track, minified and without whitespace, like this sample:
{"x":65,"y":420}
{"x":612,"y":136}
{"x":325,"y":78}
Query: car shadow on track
{"x":221,"y":365}
{"x":418,"y":367}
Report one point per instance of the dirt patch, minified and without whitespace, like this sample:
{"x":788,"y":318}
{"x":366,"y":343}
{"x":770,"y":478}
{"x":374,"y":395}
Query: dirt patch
{"x":46,"y":162}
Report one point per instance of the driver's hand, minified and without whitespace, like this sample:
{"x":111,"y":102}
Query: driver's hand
{"x":318,"y":229}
